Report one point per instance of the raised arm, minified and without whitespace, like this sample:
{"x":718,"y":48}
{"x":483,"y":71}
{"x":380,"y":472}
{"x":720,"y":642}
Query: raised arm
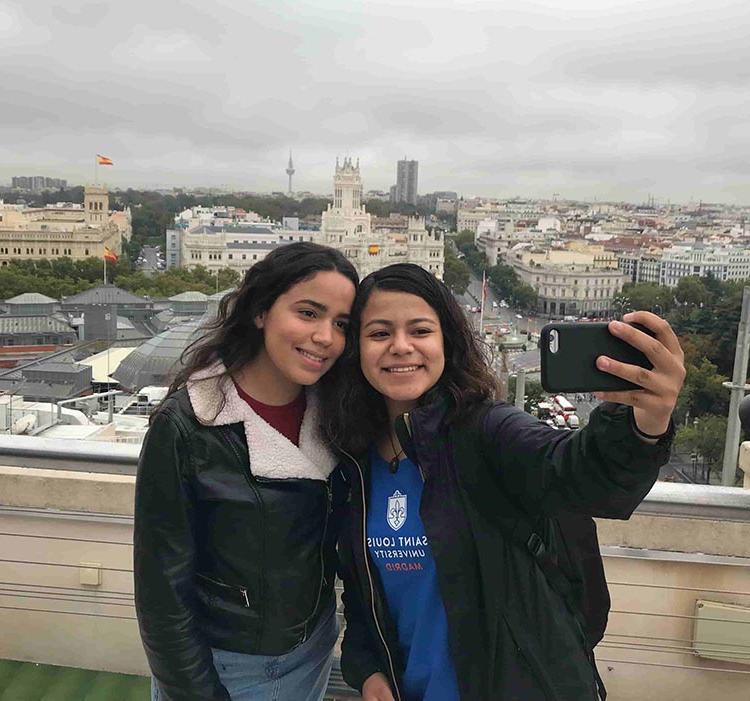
{"x":608,"y":467}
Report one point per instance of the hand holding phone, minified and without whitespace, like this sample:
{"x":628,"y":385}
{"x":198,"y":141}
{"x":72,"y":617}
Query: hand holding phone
{"x":638,"y":363}
{"x":569,"y":352}
{"x":654,"y":403}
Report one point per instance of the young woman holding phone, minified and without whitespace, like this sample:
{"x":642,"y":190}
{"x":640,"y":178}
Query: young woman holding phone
{"x":441,"y":602}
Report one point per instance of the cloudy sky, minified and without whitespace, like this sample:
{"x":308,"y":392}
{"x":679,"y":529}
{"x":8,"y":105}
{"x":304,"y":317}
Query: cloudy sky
{"x":606,"y":99}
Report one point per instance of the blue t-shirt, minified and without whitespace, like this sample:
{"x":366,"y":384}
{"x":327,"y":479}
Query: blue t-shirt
{"x":400,"y":550}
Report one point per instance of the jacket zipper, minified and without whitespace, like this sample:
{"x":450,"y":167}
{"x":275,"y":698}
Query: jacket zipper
{"x":329,"y":500}
{"x":230,"y":439}
{"x":369,"y":576}
{"x":407,"y":422}
{"x":230,"y":587}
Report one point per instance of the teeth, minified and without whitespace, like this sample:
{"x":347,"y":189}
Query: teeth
{"x":316,"y":358}
{"x":410,"y":368}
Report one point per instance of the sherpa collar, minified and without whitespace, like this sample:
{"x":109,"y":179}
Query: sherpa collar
{"x":272,"y":455}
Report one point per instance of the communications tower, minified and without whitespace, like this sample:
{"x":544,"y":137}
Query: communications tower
{"x":290,"y":171}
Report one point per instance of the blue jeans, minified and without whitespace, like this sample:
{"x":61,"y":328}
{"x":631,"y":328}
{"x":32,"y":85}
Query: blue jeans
{"x":299,"y":675}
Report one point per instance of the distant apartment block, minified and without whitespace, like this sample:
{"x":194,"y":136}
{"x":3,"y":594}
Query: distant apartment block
{"x":407,"y":179}
{"x":371,"y":245}
{"x":470,"y":213}
{"x":670,"y":266}
{"x":445,"y":205}
{"x":72,"y":230}
{"x":225,"y":237}
{"x":36,"y":183}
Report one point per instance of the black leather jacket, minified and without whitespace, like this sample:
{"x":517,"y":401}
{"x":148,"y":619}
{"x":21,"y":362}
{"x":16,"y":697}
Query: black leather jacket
{"x":222,"y":556}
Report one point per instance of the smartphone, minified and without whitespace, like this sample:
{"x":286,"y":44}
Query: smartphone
{"x":569,"y":352}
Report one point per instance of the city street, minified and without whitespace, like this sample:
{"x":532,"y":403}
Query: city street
{"x":529,"y":360}
{"x":498,"y":316}
{"x":149,"y":261}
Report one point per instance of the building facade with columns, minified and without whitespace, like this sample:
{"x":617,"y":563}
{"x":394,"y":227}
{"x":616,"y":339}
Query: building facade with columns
{"x":348,"y":227}
{"x":73,"y":231}
{"x":570,"y":282}
{"x":237,"y":245}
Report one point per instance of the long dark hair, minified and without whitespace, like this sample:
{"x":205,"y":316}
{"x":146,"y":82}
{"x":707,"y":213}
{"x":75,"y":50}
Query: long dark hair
{"x":232,"y":336}
{"x":355,"y":414}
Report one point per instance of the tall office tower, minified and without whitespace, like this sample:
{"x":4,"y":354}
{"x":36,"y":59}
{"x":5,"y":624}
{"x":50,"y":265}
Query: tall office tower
{"x":290,"y":171}
{"x":406,"y":181}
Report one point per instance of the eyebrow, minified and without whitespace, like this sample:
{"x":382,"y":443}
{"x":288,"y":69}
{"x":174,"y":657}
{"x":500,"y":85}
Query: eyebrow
{"x":317,"y":305}
{"x":387,"y":322}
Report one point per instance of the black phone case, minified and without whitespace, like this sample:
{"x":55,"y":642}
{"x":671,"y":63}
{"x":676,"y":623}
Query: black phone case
{"x":573,"y":367}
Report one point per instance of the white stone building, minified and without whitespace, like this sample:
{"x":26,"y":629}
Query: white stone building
{"x":225,"y":244}
{"x":570,"y":282}
{"x":63,"y":230}
{"x":670,"y":266}
{"x":348,"y":227}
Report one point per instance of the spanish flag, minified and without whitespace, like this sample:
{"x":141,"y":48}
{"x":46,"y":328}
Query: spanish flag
{"x":103,"y":160}
{"x":109,"y":255}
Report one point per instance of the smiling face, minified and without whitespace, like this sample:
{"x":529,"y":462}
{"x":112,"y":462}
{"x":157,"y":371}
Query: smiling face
{"x":401,"y":348}
{"x":303,"y":336}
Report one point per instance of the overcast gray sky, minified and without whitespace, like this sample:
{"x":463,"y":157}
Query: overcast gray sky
{"x":613,"y":99}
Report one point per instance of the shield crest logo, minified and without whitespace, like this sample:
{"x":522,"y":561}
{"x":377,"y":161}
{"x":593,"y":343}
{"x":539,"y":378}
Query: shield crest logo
{"x":396,"y":515}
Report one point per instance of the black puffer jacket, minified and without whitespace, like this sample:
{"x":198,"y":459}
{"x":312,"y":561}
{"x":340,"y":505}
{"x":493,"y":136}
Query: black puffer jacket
{"x":234,"y":539}
{"x":511,"y":636}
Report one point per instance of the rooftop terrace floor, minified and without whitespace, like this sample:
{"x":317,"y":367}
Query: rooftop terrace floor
{"x":27,"y":681}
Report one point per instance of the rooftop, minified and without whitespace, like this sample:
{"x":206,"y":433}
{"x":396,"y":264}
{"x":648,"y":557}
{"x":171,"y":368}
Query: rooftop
{"x":190,"y":296}
{"x":234,"y":229}
{"x":105,"y":294}
{"x":33,"y":324}
{"x":30,"y":298}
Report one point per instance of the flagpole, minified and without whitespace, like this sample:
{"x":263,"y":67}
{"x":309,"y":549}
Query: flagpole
{"x":481,"y":305}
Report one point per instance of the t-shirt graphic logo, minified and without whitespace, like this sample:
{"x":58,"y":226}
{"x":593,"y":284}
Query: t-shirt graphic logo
{"x":396,"y":515}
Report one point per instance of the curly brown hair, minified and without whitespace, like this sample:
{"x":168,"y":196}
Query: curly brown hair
{"x":355,"y":414}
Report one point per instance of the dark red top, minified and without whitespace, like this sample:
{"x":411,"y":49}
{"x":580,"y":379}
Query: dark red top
{"x":286,"y":419}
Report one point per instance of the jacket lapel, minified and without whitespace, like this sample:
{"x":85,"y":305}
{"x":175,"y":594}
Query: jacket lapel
{"x":216,"y":402}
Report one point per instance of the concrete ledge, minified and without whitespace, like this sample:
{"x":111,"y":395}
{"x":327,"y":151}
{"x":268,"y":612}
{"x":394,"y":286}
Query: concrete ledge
{"x":67,"y":491}
{"x":677,"y":533}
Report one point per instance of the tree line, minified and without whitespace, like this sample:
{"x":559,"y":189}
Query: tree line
{"x":64,"y":277}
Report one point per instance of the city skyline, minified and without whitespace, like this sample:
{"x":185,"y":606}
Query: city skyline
{"x":613,"y":101}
